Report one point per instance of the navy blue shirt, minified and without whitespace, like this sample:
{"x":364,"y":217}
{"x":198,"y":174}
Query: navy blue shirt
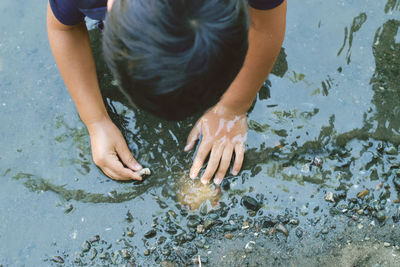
{"x":71,"y":12}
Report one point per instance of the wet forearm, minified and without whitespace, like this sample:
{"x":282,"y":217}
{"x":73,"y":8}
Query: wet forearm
{"x":266,"y":35}
{"x":72,"y":52}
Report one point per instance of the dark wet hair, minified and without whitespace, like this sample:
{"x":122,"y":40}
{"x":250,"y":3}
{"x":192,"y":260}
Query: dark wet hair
{"x":175,"y":57}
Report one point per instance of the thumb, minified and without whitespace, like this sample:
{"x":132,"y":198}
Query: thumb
{"x":127,"y":158}
{"x":193,"y":136}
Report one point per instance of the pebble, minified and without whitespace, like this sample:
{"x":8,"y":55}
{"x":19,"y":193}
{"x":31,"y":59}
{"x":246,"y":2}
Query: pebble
{"x":130,"y":234}
{"x":68,"y":209}
{"x":282,"y":229}
{"x":104,"y":255}
{"x":150,"y":234}
{"x":208,"y":224}
{"x":381,"y":216}
{"x":192,"y":223}
{"x":386,"y":244}
{"x":94,"y":239}
{"x":299,"y":232}
{"x":93,"y":254}
{"x":317,"y":162}
{"x":396,"y":182}
{"x":324,"y":231}
{"x":391,"y":150}
{"x":57,"y":259}
{"x":144,"y":172}
{"x":125,"y":253}
{"x":245,"y":225}
{"x":249,"y":246}
{"x":228,"y":236}
{"x":200,"y":229}
{"x":363,"y":193}
{"x":250,"y":203}
{"x":294,"y":221}
{"x":85,"y":246}
{"x":329,"y":197}
{"x":146,"y":252}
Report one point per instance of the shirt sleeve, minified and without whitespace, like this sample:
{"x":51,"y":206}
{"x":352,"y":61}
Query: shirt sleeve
{"x":265,"y":4}
{"x":67,"y":11}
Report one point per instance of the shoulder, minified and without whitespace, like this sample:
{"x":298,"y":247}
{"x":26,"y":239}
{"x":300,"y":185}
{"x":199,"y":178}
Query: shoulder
{"x":265,"y":4}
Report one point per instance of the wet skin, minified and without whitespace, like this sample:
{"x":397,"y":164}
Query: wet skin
{"x":223,"y":132}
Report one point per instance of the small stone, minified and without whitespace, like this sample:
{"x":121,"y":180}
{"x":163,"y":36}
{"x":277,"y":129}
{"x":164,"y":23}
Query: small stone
{"x":391,"y":150}
{"x":57,"y":259}
{"x":86,"y":246}
{"x":294,"y":221}
{"x":165,"y":251}
{"x":93,"y":254}
{"x":104,"y":255}
{"x":245,"y":225}
{"x":363,"y":193}
{"x":228,"y":236}
{"x":144,"y":172}
{"x":396,"y":182}
{"x":381,"y":216}
{"x":360,"y":226}
{"x":192,"y":223}
{"x":324,"y":231}
{"x":130,"y":234}
{"x":282,"y":229}
{"x":125,"y":253}
{"x":208,"y":224}
{"x":68,"y":209}
{"x":250,"y":203}
{"x":386,"y":244}
{"x":360,"y":211}
{"x":299,"y":232}
{"x":150,"y":234}
{"x":94,"y":239}
{"x":329,"y":197}
{"x":200,"y":229}
{"x":317,"y":162}
{"x":249,"y":246}
{"x":146,"y":252}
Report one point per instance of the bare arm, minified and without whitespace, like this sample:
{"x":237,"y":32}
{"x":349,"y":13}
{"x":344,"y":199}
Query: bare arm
{"x":266,"y":33}
{"x":224,"y":127}
{"x":73,"y":54}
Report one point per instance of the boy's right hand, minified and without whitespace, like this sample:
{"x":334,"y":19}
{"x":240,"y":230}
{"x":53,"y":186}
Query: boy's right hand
{"x":110,"y":151}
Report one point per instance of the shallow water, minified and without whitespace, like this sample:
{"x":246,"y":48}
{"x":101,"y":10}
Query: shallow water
{"x":334,"y":95}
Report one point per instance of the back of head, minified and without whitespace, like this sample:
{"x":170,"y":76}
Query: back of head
{"x":175,"y":57}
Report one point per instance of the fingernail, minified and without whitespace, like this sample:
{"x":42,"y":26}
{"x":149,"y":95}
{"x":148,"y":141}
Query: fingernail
{"x":204,"y":181}
{"x":235,"y":172}
{"x":192,"y":175}
{"x":137,"y":166}
{"x":187,"y":148}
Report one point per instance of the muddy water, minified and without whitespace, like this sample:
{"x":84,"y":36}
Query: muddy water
{"x":325,"y":121}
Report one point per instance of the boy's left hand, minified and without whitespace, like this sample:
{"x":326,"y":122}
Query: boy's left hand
{"x":223,"y":131}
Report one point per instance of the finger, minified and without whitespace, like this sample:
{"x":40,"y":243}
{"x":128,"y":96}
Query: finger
{"x":202,"y":153}
{"x":127,"y":158}
{"x":239,"y":155}
{"x":117,"y":171}
{"x":193,"y":136}
{"x":224,"y":164}
{"x":212,"y":164}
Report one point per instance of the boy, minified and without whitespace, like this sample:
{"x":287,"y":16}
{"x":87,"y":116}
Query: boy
{"x":173,"y":58}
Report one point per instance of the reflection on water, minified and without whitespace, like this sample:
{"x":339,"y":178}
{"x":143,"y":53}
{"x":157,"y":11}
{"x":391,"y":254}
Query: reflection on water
{"x":355,"y":27}
{"x":392,"y":5}
{"x":386,"y":80}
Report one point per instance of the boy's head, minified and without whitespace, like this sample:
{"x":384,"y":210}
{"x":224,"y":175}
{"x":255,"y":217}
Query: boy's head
{"x":175,"y":57}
